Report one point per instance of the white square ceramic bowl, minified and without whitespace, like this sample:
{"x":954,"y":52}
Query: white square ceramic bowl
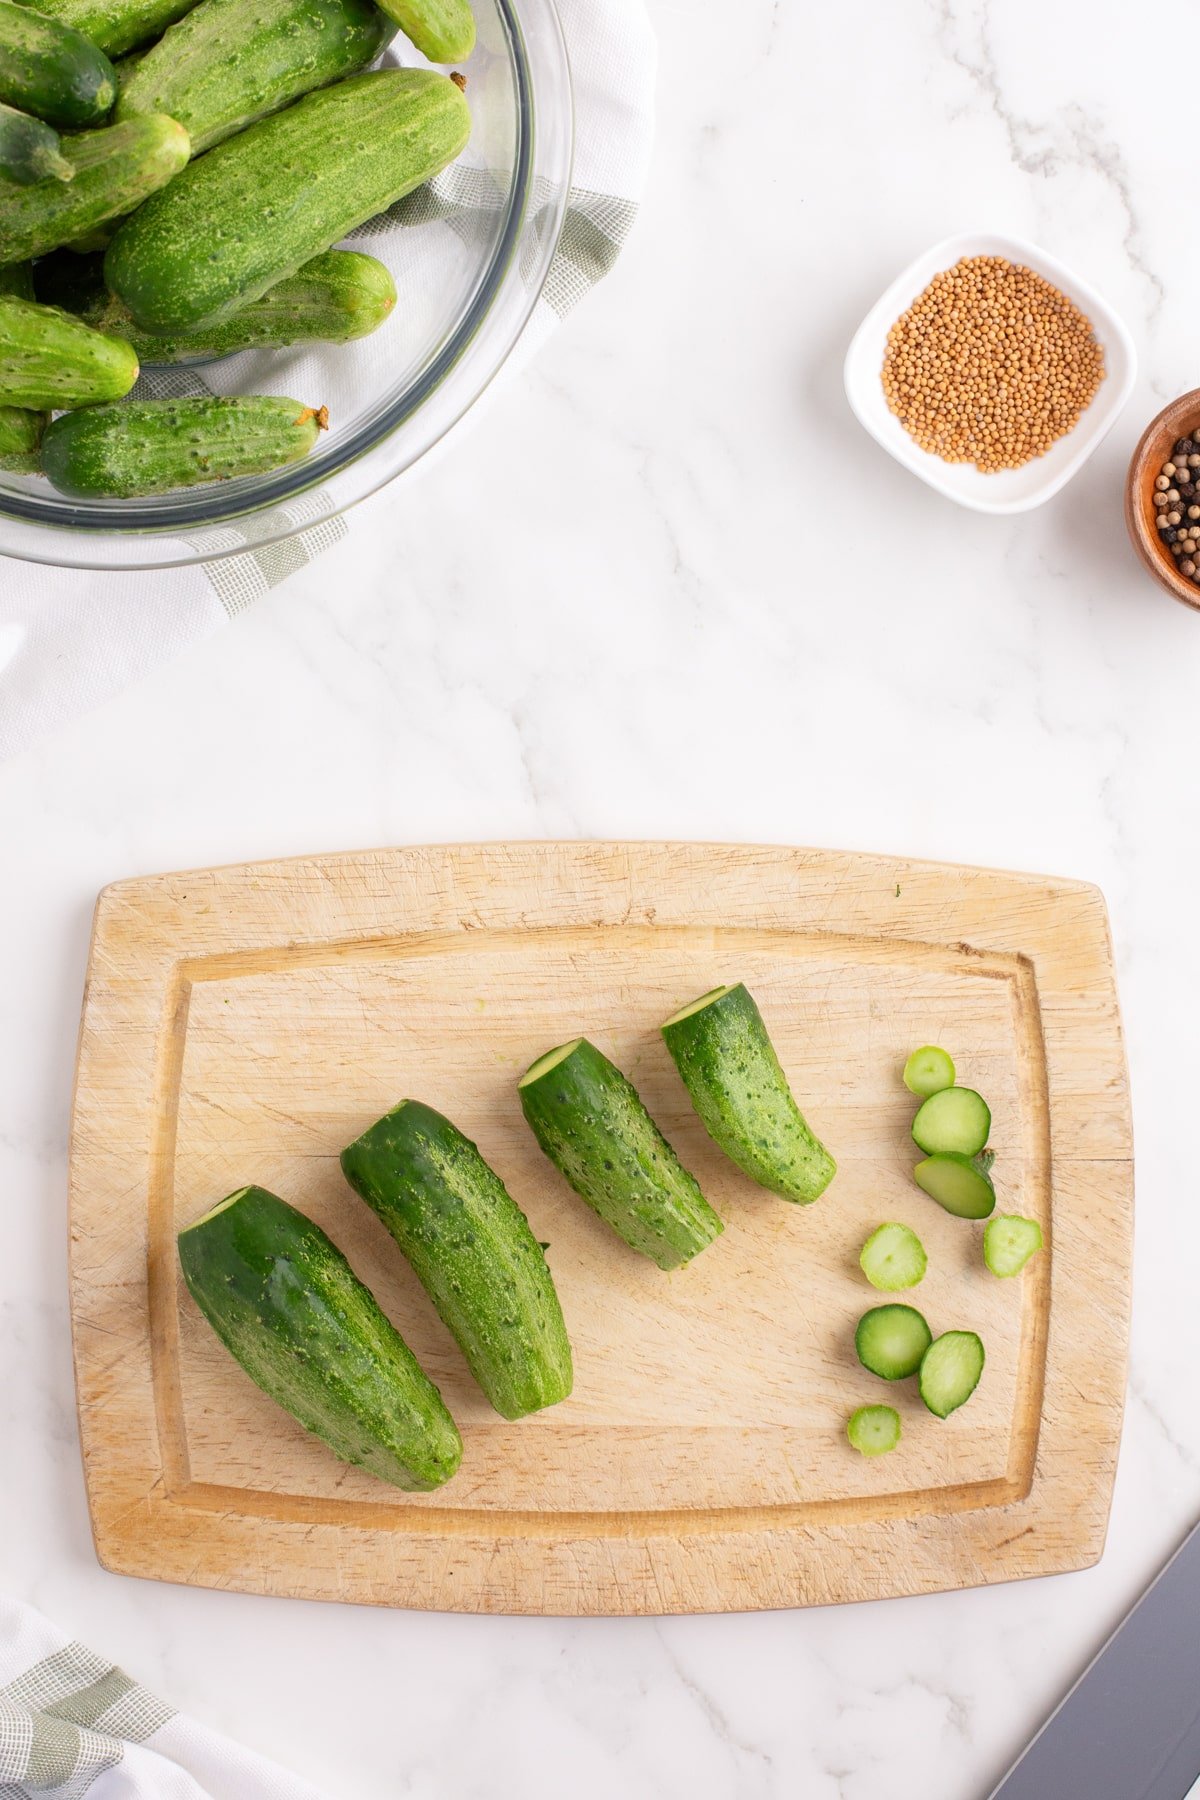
{"x":1009,"y":490}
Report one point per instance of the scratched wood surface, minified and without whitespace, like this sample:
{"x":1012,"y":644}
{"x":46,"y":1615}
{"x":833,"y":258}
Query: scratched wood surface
{"x":243,"y":1024}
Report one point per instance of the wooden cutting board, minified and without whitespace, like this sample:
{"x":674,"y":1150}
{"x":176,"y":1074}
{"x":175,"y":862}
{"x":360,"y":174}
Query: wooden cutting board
{"x":242,"y":1025}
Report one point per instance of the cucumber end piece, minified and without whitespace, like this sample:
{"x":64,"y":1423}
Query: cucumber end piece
{"x":549,"y":1061}
{"x":874,"y":1430}
{"x":695,"y":1006}
{"x":1008,"y":1243}
{"x":950,"y":1371}
{"x":959,"y":1185}
{"x":893,"y":1258}
{"x":891,"y":1341}
{"x":928,"y":1070}
{"x":215,"y":1211}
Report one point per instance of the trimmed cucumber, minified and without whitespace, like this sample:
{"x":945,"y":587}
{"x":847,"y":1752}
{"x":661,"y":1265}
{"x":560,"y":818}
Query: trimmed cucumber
{"x":874,"y":1430}
{"x":472,"y":1250}
{"x":953,"y":1122}
{"x":442,"y":30}
{"x":928,"y":1070}
{"x":114,"y":169}
{"x":1008,"y":1243}
{"x":30,"y":150}
{"x":305,"y":177}
{"x":117,"y":25}
{"x":893,"y":1258}
{"x":891,"y":1340}
{"x":730,"y":1069}
{"x":332,"y":299}
{"x":960,"y":1184}
{"x":49,"y":359}
{"x":287,"y":1305}
{"x":156,"y":446}
{"x":17,"y":279}
{"x":20,"y":440}
{"x":226,"y":64}
{"x":950,"y":1371}
{"x":51,"y":70}
{"x":590,"y":1122}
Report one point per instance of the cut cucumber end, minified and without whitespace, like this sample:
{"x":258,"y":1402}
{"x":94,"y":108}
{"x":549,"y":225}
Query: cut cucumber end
{"x":549,"y":1061}
{"x":874,"y":1430}
{"x":950,"y":1371}
{"x":958,"y":1184}
{"x":709,"y":999}
{"x":891,"y":1341}
{"x":953,"y":1122}
{"x":928,"y":1070}
{"x":215,"y":1211}
{"x":1008,"y":1243}
{"x":893,"y":1258}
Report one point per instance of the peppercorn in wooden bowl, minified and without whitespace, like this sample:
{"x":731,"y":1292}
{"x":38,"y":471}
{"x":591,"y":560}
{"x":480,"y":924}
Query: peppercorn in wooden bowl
{"x":1165,"y":438}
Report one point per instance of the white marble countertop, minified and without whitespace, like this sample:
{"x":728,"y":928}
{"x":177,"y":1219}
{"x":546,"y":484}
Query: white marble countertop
{"x":669,"y":588}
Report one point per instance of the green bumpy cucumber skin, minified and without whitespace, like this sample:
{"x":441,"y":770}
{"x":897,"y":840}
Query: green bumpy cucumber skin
{"x":52,"y":70}
{"x":114,"y":170}
{"x":472,"y":1250}
{"x":30,"y":150}
{"x":227,"y":64}
{"x":442,"y":30}
{"x":50,"y":360}
{"x":333,"y":299}
{"x":589,"y":1120}
{"x":289,"y":1308}
{"x":730,"y":1069}
{"x":20,"y":440}
{"x":158,"y":446}
{"x":116,"y":25}
{"x":262,"y":204}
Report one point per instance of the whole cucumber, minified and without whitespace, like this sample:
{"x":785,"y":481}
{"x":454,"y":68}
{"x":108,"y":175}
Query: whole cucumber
{"x":442,"y":30}
{"x":333,"y":299}
{"x":590,"y":1122}
{"x":116,"y":25}
{"x":155,"y":446}
{"x":20,"y":439}
{"x":51,"y":70}
{"x":472,"y":1250}
{"x":262,"y":204}
{"x":227,"y":64}
{"x":114,"y":170}
{"x":48,"y":359}
{"x":30,"y":150}
{"x":287,"y":1305}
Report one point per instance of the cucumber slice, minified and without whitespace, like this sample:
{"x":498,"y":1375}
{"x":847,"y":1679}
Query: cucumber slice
{"x":893,"y":1258}
{"x":874,"y":1429}
{"x":891,"y":1340}
{"x":953,"y":1122}
{"x":960,"y":1184}
{"x":950,"y":1371}
{"x":928,"y":1070}
{"x":1008,"y":1243}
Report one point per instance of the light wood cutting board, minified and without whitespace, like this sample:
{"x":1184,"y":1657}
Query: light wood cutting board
{"x":242,"y":1025}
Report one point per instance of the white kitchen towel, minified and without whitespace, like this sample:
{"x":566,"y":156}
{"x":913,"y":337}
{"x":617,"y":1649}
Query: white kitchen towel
{"x":72,"y":1724}
{"x":69,"y":640}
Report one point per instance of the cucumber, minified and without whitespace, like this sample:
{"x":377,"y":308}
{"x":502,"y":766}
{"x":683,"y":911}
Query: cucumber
{"x":305,"y":177}
{"x":155,"y":446}
{"x":960,"y":1184}
{"x":49,"y":359}
{"x":893,"y":1258}
{"x":928,"y":1070}
{"x":30,"y":150}
{"x":20,"y":440}
{"x":590,"y":1122}
{"x":891,"y":1340}
{"x":729,"y":1066}
{"x":874,"y":1430}
{"x":53,"y":71}
{"x":472,"y":1250}
{"x":950,"y":1371}
{"x":953,"y":1122}
{"x":442,"y":30}
{"x":116,"y":25}
{"x":333,"y":299}
{"x":1008,"y":1243}
{"x":287,"y":1305}
{"x":114,"y":170}
{"x":226,"y":63}
{"x":17,"y":278}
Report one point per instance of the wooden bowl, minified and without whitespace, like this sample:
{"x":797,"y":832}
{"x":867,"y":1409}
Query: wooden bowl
{"x":1157,"y":441}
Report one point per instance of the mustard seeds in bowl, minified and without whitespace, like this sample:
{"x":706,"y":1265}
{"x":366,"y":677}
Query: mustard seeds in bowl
{"x":991,"y":365}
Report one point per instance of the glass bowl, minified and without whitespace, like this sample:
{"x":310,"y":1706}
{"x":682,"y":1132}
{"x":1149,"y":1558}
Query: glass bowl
{"x":470,"y":253}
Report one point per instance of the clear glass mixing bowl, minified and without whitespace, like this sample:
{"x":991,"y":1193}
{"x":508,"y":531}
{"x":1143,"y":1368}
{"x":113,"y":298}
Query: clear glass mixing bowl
{"x":470,"y":254}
